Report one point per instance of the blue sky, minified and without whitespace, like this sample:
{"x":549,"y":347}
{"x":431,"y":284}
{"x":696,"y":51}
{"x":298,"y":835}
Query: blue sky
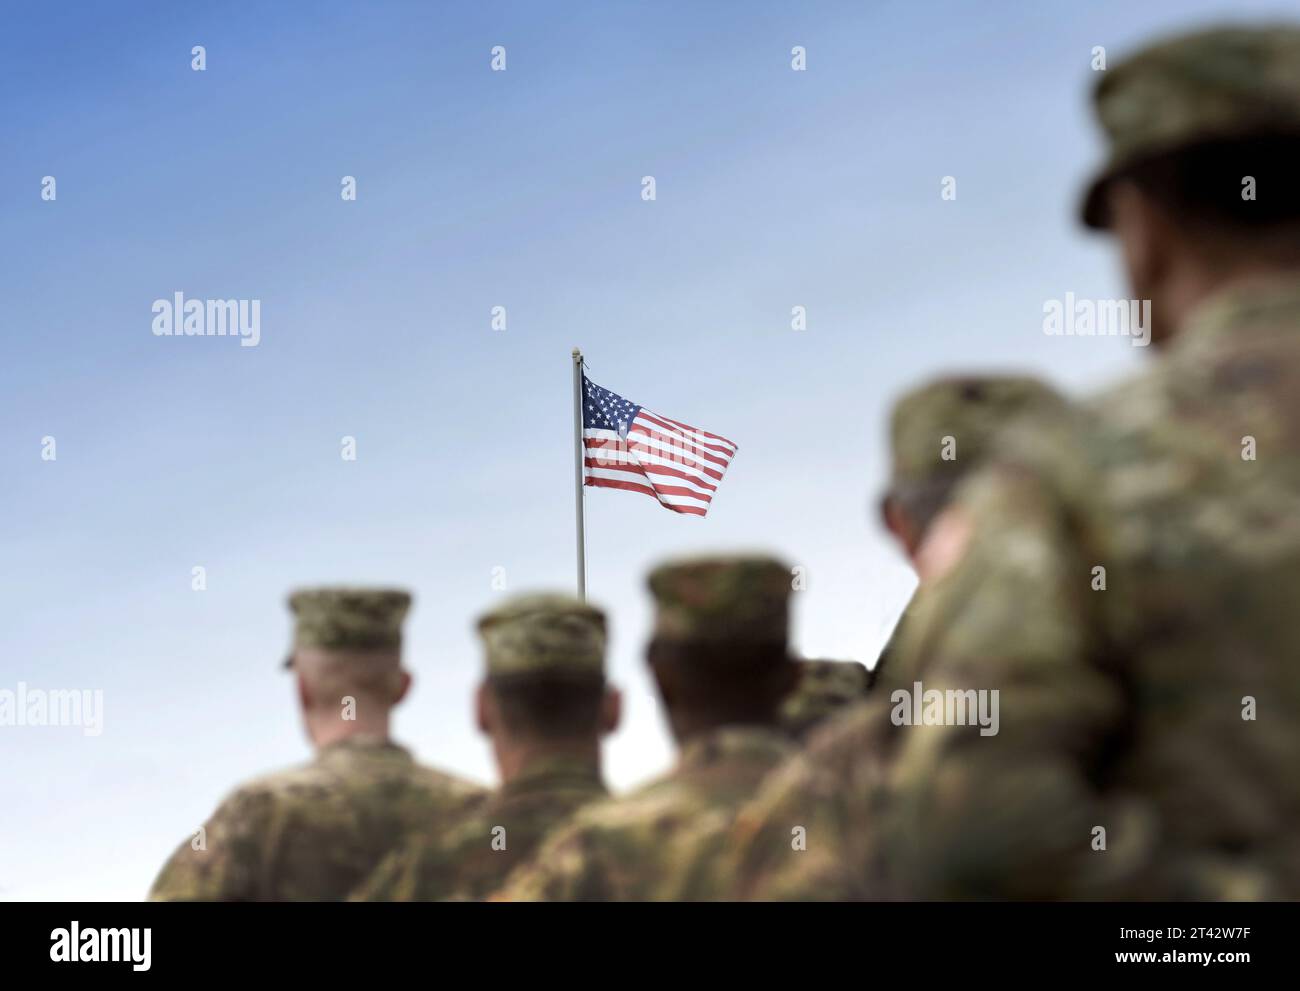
{"x":478,"y":189}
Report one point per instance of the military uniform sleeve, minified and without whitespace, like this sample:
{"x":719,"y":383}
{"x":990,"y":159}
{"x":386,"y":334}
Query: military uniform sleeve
{"x":1007,"y":807}
{"x":228,"y":859}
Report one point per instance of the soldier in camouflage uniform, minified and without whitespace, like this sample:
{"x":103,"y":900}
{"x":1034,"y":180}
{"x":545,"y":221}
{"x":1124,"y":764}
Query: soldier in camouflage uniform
{"x":1127,"y":577}
{"x":825,"y":687}
{"x":313,"y":832}
{"x":939,"y":432}
{"x":720,"y":659}
{"x":545,"y":705}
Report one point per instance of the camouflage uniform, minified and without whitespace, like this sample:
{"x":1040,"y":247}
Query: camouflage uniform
{"x":1122,"y":709}
{"x":529,"y":636}
{"x":312,"y":833}
{"x":824,"y":688}
{"x":663,"y":841}
{"x":941,"y":431}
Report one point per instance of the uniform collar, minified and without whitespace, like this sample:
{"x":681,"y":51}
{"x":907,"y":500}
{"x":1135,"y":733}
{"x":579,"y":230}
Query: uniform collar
{"x":1247,"y":308}
{"x":759,"y":743}
{"x":367,"y":745}
{"x":547,"y":772}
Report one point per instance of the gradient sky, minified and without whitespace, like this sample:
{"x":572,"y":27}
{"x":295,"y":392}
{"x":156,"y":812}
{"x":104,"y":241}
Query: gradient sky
{"x":476,"y":189}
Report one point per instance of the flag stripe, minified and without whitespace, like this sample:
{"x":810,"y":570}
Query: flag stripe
{"x":697,"y":430}
{"x":651,"y":471}
{"x":703,"y":488}
{"x":608,"y":483}
{"x":636,"y":473}
{"x":676,"y":445}
{"x":668,"y":453}
{"x":640,"y":484}
{"x":703,"y":440}
{"x":654,"y":453}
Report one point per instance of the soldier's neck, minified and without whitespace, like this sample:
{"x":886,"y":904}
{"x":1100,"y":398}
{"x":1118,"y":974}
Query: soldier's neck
{"x":687,"y":726}
{"x":326,"y":729}
{"x":516,"y":757}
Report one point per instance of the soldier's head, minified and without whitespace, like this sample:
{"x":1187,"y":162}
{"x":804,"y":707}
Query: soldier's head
{"x":1199,"y":186}
{"x":825,"y":687}
{"x":940,"y":432}
{"x":544,"y":689}
{"x":347,"y":656}
{"x":719,"y":649}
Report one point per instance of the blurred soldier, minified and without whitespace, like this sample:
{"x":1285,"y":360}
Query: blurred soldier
{"x":825,"y":687}
{"x":313,"y":832}
{"x":939,"y":433}
{"x":1126,"y":578}
{"x":720,"y":660}
{"x":545,"y":706}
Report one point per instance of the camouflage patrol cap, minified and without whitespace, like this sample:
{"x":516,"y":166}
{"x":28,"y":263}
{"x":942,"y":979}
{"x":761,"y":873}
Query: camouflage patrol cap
{"x":1224,"y":83}
{"x":722,"y":598}
{"x":972,"y":410}
{"x":343,"y":618}
{"x":824,"y":686}
{"x":543,"y":633}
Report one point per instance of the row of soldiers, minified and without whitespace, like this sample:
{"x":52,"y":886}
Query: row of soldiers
{"x":1122,"y":571}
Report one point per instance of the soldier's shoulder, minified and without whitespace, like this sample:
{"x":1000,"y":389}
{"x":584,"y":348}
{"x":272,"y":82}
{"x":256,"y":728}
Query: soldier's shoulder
{"x":1133,"y":406}
{"x":282,"y":779}
{"x":846,"y":731}
{"x":413,"y":796}
{"x":451,"y":786}
{"x":268,"y":789}
{"x":833,"y":753}
{"x":585,"y":858}
{"x":222,"y":860}
{"x":642,"y":816}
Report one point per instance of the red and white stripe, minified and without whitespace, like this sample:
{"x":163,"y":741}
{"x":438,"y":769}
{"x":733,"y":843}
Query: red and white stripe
{"x":676,"y":463}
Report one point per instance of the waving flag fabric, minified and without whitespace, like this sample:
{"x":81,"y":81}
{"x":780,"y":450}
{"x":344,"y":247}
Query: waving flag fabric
{"x":629,"y":447}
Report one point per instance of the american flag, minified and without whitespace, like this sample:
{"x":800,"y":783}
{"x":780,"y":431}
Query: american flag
{"x":629,"y":447}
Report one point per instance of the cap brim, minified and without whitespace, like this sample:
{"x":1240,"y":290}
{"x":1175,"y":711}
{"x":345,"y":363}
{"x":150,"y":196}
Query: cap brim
{"x":1094,"y":210}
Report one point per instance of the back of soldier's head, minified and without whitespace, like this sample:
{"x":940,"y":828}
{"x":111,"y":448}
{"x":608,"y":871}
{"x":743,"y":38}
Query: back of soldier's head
{"x":1199,"y":119}
{"x":1199,"y":185}
{"x":942,"y":431}
{"x":348,"y":642}
{"x":544,"y":656}
{"x":719,"y":647}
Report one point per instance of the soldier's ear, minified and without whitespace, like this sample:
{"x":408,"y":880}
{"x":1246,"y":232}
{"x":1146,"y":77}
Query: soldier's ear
{"x":611,"y":711}
{"x":482,"y":704}
{"x":403,"y":686}
{"x":897,"y":523}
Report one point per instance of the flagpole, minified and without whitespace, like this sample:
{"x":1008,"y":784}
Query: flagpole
{"x":577,"y":473}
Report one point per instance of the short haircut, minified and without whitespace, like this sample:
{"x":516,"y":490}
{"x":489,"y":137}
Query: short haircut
{"x":1203,"y":183}
{"x":551,"y":705}
{"x":334,"y":674}
{"x":740,"y":677}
